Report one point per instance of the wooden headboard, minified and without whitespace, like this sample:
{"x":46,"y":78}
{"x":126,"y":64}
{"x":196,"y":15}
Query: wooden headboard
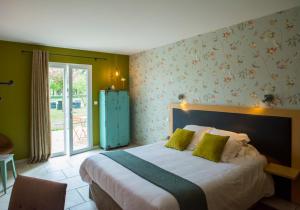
{"x":274,"y":132}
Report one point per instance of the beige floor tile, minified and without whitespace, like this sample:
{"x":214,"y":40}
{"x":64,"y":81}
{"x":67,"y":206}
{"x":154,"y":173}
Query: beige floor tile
{"x":73,"y":198}
{"x":52,"y":176}
{"x":70,"y":172}
{"x":4,"y":199}
{"x":32,"y":170}
{"x":63,"y":169}
{"x":90,"y":205}
{"x":74,"y":182}
{"x":76,"y":160}
{"x":84,"y":192}
{"x":58,"y":165}
{"x":76,"y":164}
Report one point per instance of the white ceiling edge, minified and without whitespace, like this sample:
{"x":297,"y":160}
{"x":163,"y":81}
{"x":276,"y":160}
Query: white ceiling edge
{"x":214,"y":29}
{"x":124,"y":26}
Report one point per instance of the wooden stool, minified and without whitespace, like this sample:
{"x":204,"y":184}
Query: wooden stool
{"x":3,"y":167}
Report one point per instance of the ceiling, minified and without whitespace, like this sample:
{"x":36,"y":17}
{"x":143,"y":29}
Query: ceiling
{"x":123,"y":26}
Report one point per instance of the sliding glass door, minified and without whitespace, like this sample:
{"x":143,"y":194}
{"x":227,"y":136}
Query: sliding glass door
{"x":57,"y":109}
{"x":70,"y":103}
{"x":80,"y":108}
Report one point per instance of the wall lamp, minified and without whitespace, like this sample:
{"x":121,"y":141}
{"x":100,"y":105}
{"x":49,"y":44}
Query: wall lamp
{"x":181,"y":97}
{"x":183,"y":102}
{"x":268,"y":98}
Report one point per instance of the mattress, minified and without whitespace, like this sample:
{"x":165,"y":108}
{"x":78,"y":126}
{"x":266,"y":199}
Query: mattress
{"x":235,"y":185}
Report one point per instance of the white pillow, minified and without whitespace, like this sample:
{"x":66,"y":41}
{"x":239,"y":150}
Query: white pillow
{"x":233,"y":145}
{"x":248,"y":151}
{"x":231,"y":150}
{"x":234,"y":136}
{"x":199,"y":132}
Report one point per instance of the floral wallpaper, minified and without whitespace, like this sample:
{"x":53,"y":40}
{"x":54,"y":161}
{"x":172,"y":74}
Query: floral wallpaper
{"x":236,"y":65}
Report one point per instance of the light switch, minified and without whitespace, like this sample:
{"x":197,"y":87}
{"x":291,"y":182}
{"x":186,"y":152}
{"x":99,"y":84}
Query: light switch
{"x":95,"y":103}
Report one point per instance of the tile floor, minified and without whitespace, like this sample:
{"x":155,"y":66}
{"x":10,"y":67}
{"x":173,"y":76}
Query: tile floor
{"x":66,"y":169}
{"x":62,"y":169}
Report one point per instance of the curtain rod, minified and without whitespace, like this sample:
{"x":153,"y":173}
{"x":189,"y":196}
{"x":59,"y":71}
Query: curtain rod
{"x":75,"y":56}
{"x":9,"y":83}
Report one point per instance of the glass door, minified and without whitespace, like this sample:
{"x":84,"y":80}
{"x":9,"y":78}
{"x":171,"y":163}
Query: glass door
{"x":57,"y":108}
{"x":79,"y":108}
{"x":70,"y":108}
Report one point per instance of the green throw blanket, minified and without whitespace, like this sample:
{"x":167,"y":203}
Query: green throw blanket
{"x":188,"y":195}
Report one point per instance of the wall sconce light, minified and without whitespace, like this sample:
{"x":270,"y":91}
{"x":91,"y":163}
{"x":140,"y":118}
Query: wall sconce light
{"x":117,"y":73}
{"x":268,"y":98}
{"x":181,"y":97}
{"x":183,"y":102}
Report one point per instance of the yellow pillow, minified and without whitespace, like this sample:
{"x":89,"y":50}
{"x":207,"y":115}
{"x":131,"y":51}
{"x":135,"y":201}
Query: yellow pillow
{"x":211,"y":147}
{"x":180,"y":139}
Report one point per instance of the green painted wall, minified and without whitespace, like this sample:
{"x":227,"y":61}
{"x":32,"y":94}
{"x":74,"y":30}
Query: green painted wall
{"x":15,"y":103}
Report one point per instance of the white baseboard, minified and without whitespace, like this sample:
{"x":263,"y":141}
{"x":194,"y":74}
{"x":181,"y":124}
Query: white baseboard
{"x":26,"y":159}
{"x":22,"y":161}
{"x":96,"y":147}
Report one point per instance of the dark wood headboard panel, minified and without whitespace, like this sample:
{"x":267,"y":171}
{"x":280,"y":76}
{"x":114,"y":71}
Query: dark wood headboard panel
{"x":270,"y":135}
{"x":274,"y":132}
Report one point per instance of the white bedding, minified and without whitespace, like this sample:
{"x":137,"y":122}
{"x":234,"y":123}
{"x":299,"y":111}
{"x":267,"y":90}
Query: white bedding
{"x":236,"y":185}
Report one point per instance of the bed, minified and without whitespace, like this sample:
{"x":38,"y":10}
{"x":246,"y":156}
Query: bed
{"x":220,"y":181}
{"x":113,"y":186}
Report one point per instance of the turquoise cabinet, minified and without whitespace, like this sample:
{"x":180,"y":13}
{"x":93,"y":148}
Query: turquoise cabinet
{"x":114,"y":119}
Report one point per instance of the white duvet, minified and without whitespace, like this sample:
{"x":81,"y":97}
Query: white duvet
{"x":234,"y":186}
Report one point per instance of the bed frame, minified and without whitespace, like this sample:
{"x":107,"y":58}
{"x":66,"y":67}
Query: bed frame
{"x":274,"y":132}
{"x":102,"y":199}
